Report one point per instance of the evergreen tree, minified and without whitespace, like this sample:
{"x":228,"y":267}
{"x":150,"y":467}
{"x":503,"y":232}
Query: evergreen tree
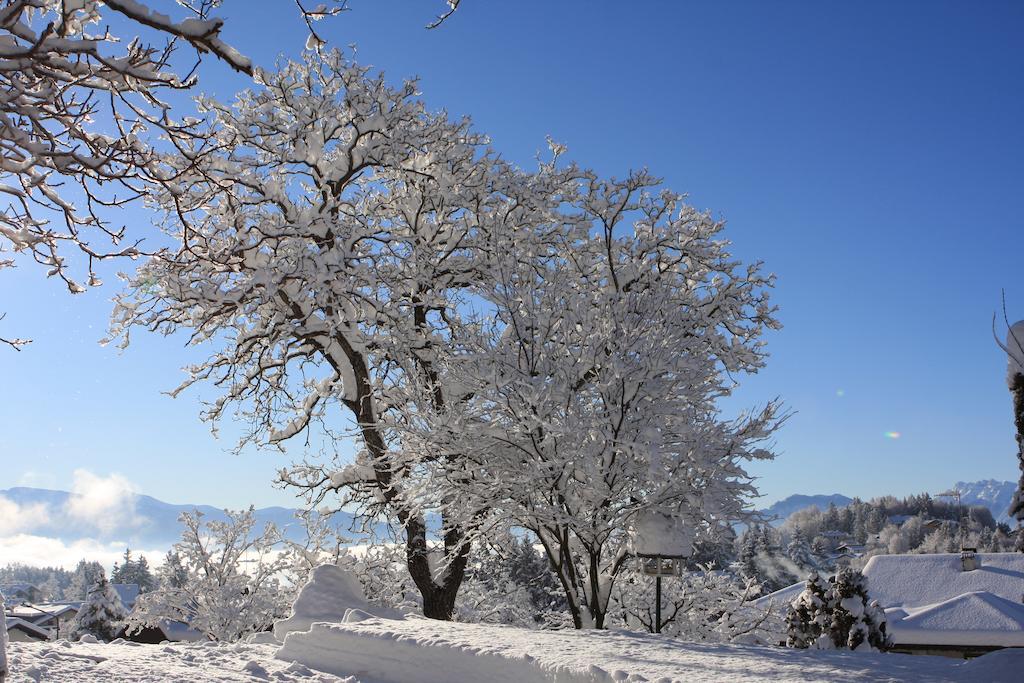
{"x":799,"y":550}
{"x":102,"y":614}
{"x":86,"y":575}
{"x":134,"y":572}
{"x":172,"y":573}
{"x":806,"y":620}
{"x":819,"y":546}
{"x":830,"y":520}
{"x":854,"y":619}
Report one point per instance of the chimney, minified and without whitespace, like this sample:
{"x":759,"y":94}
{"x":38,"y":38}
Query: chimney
{"x":969,"y":559}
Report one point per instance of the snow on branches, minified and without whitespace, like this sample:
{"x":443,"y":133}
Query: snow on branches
{"x":541,"y":348}
{"x":591,"y":389}
{"x":230,"y":579}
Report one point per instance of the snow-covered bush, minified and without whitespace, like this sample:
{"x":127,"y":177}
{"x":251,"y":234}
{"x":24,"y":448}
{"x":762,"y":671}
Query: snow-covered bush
{"x":837,"y":615}
{"x":707,"y":605}
{"x":807,"y":618}
{"x":102,"y":614}
{"x":231,"y":585}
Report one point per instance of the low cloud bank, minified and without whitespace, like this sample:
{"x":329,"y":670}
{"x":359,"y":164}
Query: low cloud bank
{"x":44,"y":551}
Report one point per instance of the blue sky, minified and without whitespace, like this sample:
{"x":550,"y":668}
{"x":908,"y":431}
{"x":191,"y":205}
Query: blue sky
{"x":869,"y":153}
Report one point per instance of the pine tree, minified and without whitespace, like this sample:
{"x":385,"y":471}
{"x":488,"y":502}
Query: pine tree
{"x":134,"y":572}
{"x":172,"y":573}
{"x":87,"y":575}
{"x":101,"y":615}
{"x":806,"y":619}
{"x":799,"y":550}
{"x":854,"y":619}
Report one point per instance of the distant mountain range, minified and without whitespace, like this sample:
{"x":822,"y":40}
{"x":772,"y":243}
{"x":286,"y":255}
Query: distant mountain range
{"x":141,"y":521}
{"x":995,"y":495}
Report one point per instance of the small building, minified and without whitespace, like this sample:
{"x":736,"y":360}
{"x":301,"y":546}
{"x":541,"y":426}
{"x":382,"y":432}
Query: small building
{"x":20,"y":592}
{"x":952,"y":604}
{"x":21,"y":631}
{"x":55,"y":618}
{"x":128,"y":592}
{"x":166,"y":631}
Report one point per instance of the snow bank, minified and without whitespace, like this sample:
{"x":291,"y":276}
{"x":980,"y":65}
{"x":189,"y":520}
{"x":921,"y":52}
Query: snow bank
{"x":327,"y":596}
{"x":429,"y":651}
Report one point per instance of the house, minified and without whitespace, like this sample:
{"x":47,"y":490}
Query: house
{"x":128,"y":592}
{"x":55,"y":618}
{"x":167,"y":631}
{"x":20,"y":592}
{"x":952,"y":604}
{"x":21,"y":631}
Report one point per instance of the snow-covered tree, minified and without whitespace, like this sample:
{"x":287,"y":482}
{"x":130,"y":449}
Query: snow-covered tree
{"x":330,"y":243}
{"x":799,"y":550}
{"x":857,"y":621}
{"x":591,"y":389}
{"x":1014,"y":348}
{"x":172,"y":573}
{"x":704,"y":605}
{"x":233,"y":581}
{"x":87,"y":87}
{"x":836,"y":615}
{"x":87,"y":574}
{"x":101,"y":615}
{"x":807,"y":620}
{"x":134,"y":571}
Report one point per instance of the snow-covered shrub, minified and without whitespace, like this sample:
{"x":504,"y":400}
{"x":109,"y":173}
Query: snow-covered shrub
{"x":807,"y":619}
{"x":102,"y":615}
{"x":231,"y":585}
{"x":857,"y":620}
{"x":837,"y":615}
{"x":705,"y":606}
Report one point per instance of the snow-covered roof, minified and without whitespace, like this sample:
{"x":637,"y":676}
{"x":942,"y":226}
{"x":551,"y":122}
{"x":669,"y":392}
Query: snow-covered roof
{"x":128,"y":592}
{"x":36,"y":611}
{"x":780,"y":599}
{"x":920,"y":580}
{"x":12,"y":591}
{"x":26,"y":626}
{"x":177,"y":632}
{"x":979,"y":619}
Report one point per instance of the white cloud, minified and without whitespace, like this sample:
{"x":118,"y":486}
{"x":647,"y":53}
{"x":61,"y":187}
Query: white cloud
{"x":43,"y":551}
{"x":15,"y":518}
{"x":106,"y":503}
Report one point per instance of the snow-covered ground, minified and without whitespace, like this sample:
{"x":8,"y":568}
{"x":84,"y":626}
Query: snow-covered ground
{"x":332,"y":636}
{"x":124,"y":662}
{"x":422,"y":651}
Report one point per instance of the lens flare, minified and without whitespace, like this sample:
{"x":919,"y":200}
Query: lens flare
{"x":892,"y":435}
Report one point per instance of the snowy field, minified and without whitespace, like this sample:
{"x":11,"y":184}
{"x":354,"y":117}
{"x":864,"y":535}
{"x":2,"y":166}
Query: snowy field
{"x":420,"y":651}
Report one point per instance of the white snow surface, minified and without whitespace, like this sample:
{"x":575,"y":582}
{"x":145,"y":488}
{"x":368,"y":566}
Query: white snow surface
{"x":419,"y":650}
{"x":920,"y":580}
{"x":125,"y":662}
{"x":329,"y":593}
{"x":425,"y":651}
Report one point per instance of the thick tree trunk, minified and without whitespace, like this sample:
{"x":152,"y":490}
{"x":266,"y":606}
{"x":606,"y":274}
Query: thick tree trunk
{"x":438,"y":597}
